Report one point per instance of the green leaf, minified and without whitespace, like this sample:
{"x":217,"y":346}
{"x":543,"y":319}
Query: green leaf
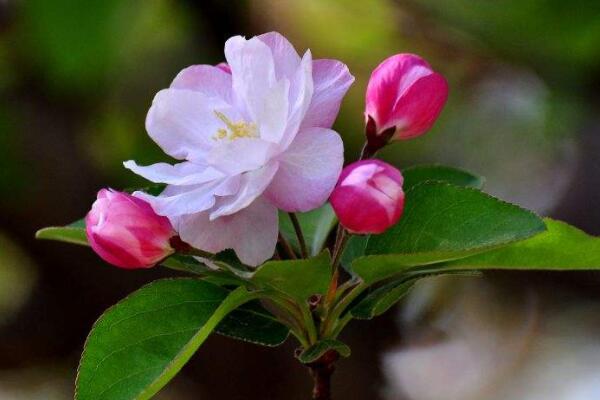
{"x":444,"y":222}
{"x":315,"y":352}
{"x":72,"y":233}
{"x":252,"y":323}
{"x":444,"y":217}
{"x":373,"y":269}
{"x":316,"y":226}
{"x":561,"y":247}
{"x":421,"y":173}
{"x":299,"y":279}
{"x":222,"y":276}
{"x":357,"y":244}
{"x":184,"y":263}
{"x":137,"y":346}
{"x":381,"y":299}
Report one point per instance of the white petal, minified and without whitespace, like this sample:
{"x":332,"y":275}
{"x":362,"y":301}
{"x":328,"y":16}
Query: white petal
{"x":284,"y":55}
{"x":251,"y":233}
{"x":240,"y":155}
{"x":184,"y":200}
{"x":252,"y":70}
{"x":185,"y":173}
{"x":252,"y":185}
{"x":183,"y":122}
{"x":332,"y":79}
{"x":229,"y":186}
{"x":271,"y":111}
{"x":206,"y":79}
{"x":301,"y":93}
{"x":308,"y":170}
{"x":256,"y":89}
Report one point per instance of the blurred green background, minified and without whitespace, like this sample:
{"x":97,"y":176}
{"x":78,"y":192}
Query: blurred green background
{"x":77,"y":77}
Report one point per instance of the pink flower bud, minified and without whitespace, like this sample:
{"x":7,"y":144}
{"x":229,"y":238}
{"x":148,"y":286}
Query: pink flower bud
{"x":126,"y":232}
{"x":224,"y":67}
{"x":404,"y":98}
{"x":368,"y":197}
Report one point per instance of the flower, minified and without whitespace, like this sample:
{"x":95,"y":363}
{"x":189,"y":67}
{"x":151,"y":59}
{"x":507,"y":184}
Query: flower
{"x":126,"y":232}
{"x":368,"y":197}
{"x":404,"y":98}
{"x":250,"y":142}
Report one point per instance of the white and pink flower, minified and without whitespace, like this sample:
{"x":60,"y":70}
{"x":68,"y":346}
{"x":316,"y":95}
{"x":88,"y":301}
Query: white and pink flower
{"x":250,"y":141}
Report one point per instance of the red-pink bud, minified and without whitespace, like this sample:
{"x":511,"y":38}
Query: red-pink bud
{"x":126,"y":232}
{"x":404,"y":97}
{"x":368,"y":197}
{"x":224,"y":67}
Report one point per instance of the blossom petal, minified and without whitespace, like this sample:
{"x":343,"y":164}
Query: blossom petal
{"x":183,"y":122}
{"x":252,"y":184}
{"x":331,"y":79}
{"x":185,"y":173}
{"x":240,"y":155}
{"x":251,"y":233}
{"x":301,"y":93}
{"x":420,"y":106}
{"x":229,"y":186}
{"x":308,"y":170}
{"x":207,"y":79}
{"x":185,"y":200}
{"x":257,"y":91}
{"x":285,"y":56}
{"x":252,"y":69}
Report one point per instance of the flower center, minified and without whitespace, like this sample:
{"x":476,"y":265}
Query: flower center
{"x":235,"y":130}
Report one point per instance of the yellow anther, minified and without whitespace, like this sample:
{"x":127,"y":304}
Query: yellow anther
{"x":235,"y":130}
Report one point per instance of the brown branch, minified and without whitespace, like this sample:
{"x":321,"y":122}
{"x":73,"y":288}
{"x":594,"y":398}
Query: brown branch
{"x":321,"y":371}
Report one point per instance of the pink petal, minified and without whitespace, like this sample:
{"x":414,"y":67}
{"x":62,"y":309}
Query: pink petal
{"x":223,"y":66}
{"x":206,"y":79}
{"x":301,"y":93}
{"x":285,"y":56}
{"x":308,"y":170}
{"x":183,"y":122}
{"x":241,"y":155}
{"x":185,"y":173}
{"x":331,"y":79}
{"x":263,"y":98}
{"x":420,"y":107}
{"x":188,"y":200}
{"x":252,"y":184}
{"x":251,"y":232}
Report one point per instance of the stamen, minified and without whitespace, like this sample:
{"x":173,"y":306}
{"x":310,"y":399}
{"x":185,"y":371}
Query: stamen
{"x":235,"y":130}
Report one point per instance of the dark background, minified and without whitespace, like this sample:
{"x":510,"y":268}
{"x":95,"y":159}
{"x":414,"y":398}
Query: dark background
{"x":77,"y":77}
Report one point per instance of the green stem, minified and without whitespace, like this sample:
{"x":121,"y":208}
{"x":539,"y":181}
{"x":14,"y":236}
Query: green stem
{"x":330,"y":323}
{"x":309,"y":324}
{"x":340,"y":245}
{"x":299,"y":234}
{"x":338,"y":249}
{"x":340,"y":325}
{"x":297,"y":321}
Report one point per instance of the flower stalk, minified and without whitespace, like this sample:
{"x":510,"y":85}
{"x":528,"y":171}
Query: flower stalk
{"x":287,"y":247}
{"x":299,"y":234}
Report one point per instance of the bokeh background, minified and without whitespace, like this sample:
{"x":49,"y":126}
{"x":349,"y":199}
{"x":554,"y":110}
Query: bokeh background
{"x":77,"y":77}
